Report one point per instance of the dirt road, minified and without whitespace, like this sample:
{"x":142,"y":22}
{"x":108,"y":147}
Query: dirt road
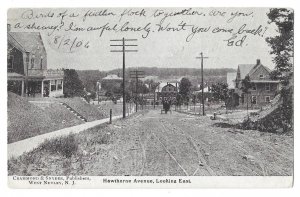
{"x":150,"y":143}
{"x":178,"y":144}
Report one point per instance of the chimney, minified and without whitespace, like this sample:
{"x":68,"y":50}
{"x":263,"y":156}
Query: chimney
{"x":257,"y":61}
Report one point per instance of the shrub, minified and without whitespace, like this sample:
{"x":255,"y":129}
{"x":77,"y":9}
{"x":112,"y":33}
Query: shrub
{"x":278,"y":121}
{"x":66,"y":146}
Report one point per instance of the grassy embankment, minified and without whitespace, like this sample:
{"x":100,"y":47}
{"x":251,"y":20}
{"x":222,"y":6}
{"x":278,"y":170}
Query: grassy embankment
{"x":27,"y":120}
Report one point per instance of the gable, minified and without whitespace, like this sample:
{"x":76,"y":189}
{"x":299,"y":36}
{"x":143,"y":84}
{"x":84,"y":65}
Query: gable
{"x":260,"y":70}
{"x":244,"y":70}
{"x":28,"y":41}
{"x":13,"y":43}
{"x":169,"y":87}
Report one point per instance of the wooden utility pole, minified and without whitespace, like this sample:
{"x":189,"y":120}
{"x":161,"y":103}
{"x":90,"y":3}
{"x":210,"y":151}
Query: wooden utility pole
{"x":154,"y":98}
{"x":98,"y":90}
{"x":123,"y":45}
{"x":27,"y":75}
{"x":136,"y":74}
{"x":202,"y":79}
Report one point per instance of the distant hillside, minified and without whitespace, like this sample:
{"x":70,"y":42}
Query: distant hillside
{"x":90,"y":77}
{"x":169,"y":72}
{"x":173,"y":74}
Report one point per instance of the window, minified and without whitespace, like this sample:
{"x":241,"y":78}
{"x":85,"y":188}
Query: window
{"x":41,"y":63}
{"x":261,"y":76}
{"x":27,"y":61}
{"x":254,"y":100}
{"x":32,"y":61}
{"x":59,"y":84}
{"x":10,"y":63}
{"x":53,"y":85}
{"x":268,"y":87}
{"x":27,"y":58}
{"x":254,"y":86}
{"x":267,"y":99}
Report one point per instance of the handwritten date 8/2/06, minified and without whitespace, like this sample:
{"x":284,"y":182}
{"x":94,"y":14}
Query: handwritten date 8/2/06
{"x":68,"y":44}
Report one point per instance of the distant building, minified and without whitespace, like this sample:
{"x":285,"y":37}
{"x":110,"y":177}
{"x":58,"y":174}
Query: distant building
{"x":230,"y":78}
{"x":263,"y":88}
{"x":167,"y":91}
{"x":154,"y":78}
{"x":27,"y":73}
{"x":207,"y":94}
{"x":110,"y":82}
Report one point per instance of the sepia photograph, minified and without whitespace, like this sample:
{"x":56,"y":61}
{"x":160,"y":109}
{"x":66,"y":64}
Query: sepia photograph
{"x":150,"y":97}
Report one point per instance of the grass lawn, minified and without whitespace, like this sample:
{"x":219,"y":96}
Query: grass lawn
{"x":117,"y":109}
{"x":26,"y":120}
{"x":88,"y":111}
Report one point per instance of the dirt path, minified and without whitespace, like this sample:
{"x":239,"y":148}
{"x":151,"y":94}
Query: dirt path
{"x":153,"y":144}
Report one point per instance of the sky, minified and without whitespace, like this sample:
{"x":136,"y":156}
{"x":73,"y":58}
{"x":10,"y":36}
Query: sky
{"x":160,"y":48}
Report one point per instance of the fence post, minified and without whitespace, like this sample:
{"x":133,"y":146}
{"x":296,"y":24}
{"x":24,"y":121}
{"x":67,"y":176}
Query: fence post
{"x":110,"y":116}
{"x":128,"y":110}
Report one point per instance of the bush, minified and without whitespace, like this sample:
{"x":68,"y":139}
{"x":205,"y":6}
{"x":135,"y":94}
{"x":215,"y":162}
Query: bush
{"x":66,"y":146}
{"x":278,"y":121}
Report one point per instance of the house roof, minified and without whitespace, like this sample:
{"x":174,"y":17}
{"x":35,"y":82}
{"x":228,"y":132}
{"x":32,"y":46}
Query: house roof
{"x":231,"y":80}
{"x":245,"y":69}
{"x":256,"y":67}
{"x":112,"y":77}
{"x":249,"y":69}
{"x":163,"y":84}
{"x":26,"y":41}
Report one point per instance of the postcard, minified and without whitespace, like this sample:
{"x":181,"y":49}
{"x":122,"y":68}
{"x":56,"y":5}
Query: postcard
{"x":133,"y":97}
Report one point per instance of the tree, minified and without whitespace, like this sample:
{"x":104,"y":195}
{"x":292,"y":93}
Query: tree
{"x":151,"y":84}
{"x":89,"y":78}
{"x":282,"y":45}
{"x":246,"y":85}
{"x":220,"y":91}
{"x":179,"y":100}
{"x":72,"y":84}
{"x":185,"y":88}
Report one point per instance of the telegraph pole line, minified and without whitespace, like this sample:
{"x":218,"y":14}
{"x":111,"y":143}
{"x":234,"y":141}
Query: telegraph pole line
{"x":201,"y":57}
{"x":124,"y":50}
{"x":136,"y":74}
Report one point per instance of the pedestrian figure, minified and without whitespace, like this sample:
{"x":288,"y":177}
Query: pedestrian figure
{"x":166,"y":105}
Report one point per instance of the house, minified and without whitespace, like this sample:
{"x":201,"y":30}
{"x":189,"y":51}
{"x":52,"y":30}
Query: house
{"x":207,"y":94}
{"x":166,"y":90}
{"x":233,"y":98}
{"x":263,"y":88}
{"x":27,"y":73}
